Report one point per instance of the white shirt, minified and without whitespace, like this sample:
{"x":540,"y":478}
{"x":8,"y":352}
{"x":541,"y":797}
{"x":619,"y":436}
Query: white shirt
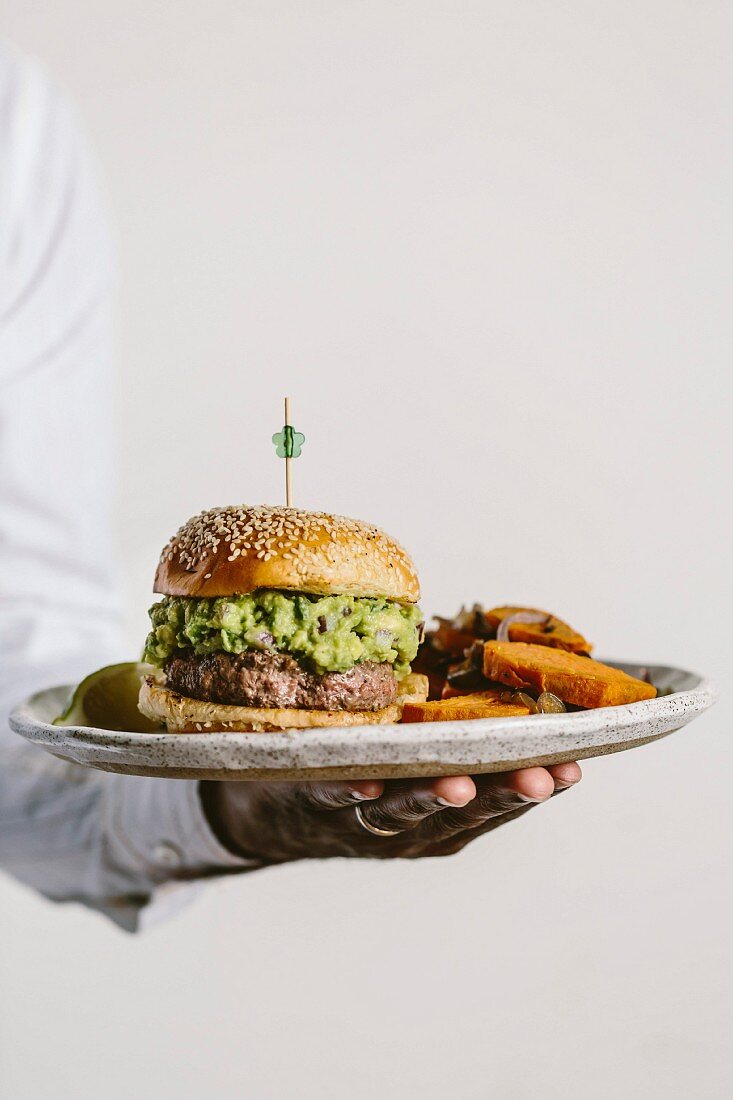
{"x":116,"y":843}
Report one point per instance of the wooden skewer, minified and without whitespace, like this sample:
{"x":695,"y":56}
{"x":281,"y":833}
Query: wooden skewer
{"x":288,"y":472}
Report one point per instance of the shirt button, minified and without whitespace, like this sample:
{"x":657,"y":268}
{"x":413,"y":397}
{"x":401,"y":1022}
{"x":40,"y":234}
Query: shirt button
{"x":167,"y":855}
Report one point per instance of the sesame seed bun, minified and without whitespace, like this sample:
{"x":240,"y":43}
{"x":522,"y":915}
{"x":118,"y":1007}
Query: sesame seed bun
{"x":235,"y":550}
{"x":181,"y":714}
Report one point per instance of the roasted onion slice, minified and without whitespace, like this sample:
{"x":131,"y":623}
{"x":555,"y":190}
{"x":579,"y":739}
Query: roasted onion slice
{"x":502,"y":633}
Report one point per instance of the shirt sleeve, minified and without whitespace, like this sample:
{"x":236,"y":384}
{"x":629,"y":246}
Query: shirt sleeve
{"x":120,"y":844}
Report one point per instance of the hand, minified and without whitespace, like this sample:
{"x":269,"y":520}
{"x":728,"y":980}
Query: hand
{"x":279,"y":822}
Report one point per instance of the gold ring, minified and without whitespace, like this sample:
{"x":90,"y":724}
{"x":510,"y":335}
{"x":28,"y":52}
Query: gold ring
{"x":373,"y":828}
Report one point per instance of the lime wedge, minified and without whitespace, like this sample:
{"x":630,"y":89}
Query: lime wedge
{"x":107,"y":700}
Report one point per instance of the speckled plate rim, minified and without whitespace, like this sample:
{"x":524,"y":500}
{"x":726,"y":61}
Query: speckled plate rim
{"x":389,"y":751}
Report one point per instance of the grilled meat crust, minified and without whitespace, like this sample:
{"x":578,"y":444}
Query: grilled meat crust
{"x":264,"y":679}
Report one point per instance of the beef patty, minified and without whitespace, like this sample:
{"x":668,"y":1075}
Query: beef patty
{"x":259,"y":679}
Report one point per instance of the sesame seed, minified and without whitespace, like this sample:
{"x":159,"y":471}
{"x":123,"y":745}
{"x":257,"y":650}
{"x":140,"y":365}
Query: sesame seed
{"x":307,"y":539}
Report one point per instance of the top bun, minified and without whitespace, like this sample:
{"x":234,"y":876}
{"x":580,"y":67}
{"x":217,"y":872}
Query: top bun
{"x":231,"y":551}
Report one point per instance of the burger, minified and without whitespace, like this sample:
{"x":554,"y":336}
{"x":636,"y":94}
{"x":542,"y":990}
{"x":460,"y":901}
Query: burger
{"x":275,"y":619}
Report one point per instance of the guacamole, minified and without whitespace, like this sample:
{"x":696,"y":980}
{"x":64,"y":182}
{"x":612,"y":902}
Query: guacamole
{"x":323,"y":633}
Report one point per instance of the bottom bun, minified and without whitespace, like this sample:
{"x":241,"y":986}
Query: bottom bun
{"x":183,"y":715}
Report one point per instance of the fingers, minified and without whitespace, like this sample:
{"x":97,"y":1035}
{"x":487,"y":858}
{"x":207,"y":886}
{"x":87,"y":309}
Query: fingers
{"x":454,"y":790}
{"x":336,"y":795}
{"x":454,"y":843}
{"x":527,"y":785}
{"x":565,"y":775}
{"x":435,"y":811}
{"x":536,"y":784}
{"x":500,"y":796}
{"x":404,"y":806}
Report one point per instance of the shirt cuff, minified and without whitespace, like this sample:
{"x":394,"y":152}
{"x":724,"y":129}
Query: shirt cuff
{"x":158,"y":827}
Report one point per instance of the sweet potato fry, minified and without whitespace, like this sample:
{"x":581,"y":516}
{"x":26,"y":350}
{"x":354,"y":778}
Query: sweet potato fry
{"x":481,"y":704}
{"x":574,"y":679}
{"x":449,"y":692}
{"x":553,"y":633}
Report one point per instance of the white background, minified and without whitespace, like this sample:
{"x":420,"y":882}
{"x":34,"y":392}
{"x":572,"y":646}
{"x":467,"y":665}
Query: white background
{"x":486,"y":248}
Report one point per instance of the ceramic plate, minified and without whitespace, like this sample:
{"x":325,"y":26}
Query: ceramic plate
{"x":389,"y":751}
